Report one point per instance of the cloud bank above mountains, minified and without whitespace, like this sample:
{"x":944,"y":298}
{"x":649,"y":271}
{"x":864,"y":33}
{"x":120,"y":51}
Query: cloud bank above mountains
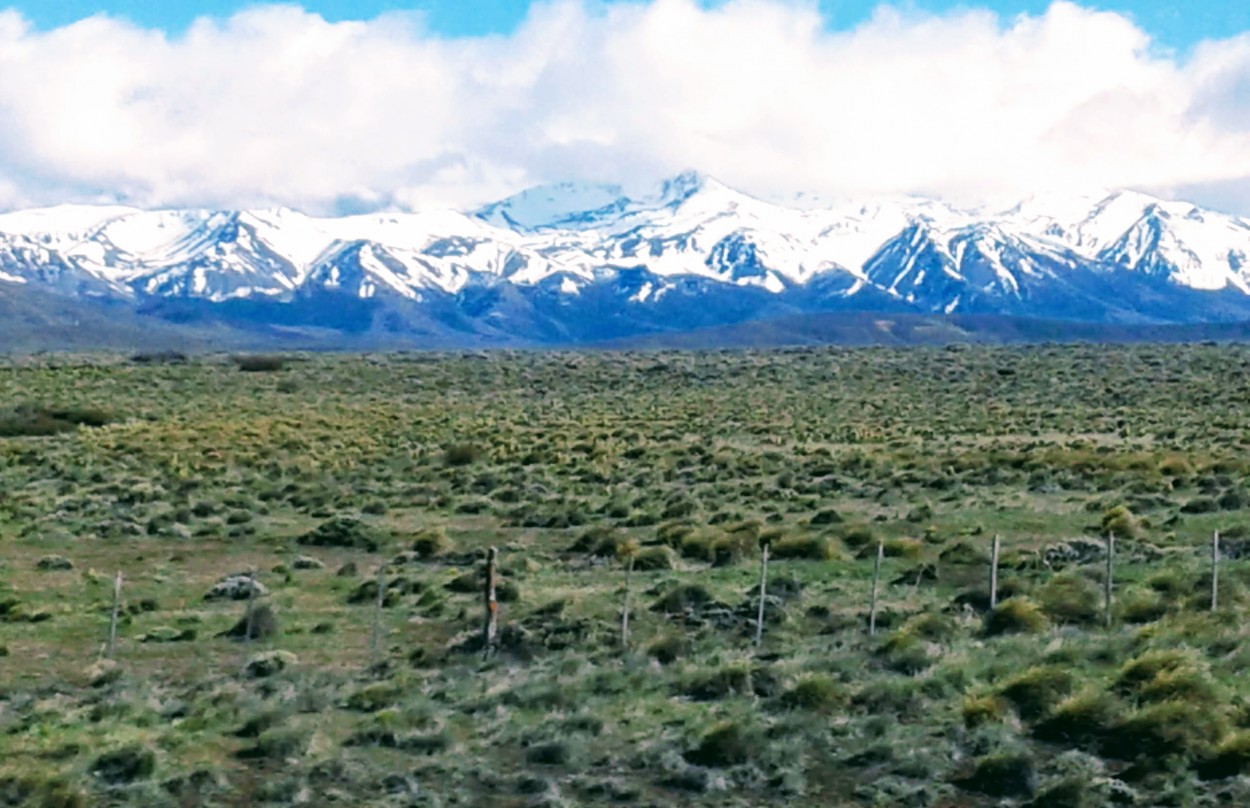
{"x":275,"y":106}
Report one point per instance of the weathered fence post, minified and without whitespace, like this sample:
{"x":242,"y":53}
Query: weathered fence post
{"x":876,"y":581}
{"x":250,"y":621}
{"x":1215,"y":570}
{"x":994,"y":572}
{"x":759,"y":618}
{"x":629,"y":580}
{"x":491,"y":622}
{"x":377,"y":611}
{"x":117,"y":605}
{"x":1110,"y":576}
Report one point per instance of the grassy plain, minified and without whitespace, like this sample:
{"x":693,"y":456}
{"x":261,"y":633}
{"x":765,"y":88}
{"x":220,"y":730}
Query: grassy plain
{"x":316,"y":470}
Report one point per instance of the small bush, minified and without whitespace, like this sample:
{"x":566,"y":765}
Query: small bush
{"x":731,"y":680}
{"x":345,"y":531}
{"x":1167,"y":729}
{"x":431,"y":542}
{"x":1018,"y":615}
{"x":814,"y":693}
{"x":655,"y":558}
{"x":1036,"y":691}
{"x":1003,"y":775}
{"x":126,"y":765}
{"x":1121,"y":523}
{"x":726,"y":744}
{"x":813,"y":548}
{"x":1070,"y":598}
{"x":260,"y":363}
{"x":1083,"y":720}
{"x":667,"y":648}
{"x":985,"y":709}
{"x":551,"y":753}
{"x":462,"y":454}
{"x":1231,"y":758}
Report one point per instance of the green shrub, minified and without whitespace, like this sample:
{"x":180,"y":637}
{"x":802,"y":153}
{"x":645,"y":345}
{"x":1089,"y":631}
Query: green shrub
{"x":431,"y":542}
{"x":810,"y":547}
{"x":1018,"y":615}
{"x":126,"y":765}
{"x":345,"y":531}
{"x":720,"y":683}
{"x":983,"y":709}
{"x":1121,"y":523}
{"x":1070,"y":598}
{"x":655,"y":558}
{"x":1167,"y":729}
{"x":260,"y":363}
{"x":726,"y":744}
{"x":814,"y":693}
{"x":1036,"y":691}
{"x":1230,"y":758}
{"x":1010,"y":774}
{"x":462,"y":454}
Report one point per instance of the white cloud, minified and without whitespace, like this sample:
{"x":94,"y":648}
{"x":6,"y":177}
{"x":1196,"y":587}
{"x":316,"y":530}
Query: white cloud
{"x":277,"y":106}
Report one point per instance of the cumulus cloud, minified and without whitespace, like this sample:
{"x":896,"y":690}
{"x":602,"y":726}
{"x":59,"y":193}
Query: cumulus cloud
{"x":276,"y":106}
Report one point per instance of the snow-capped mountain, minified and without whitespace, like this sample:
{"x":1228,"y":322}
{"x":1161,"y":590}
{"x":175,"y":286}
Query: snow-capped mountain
{"x":571,"y":262}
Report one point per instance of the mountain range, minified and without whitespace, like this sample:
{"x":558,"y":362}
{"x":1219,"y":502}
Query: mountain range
{"x":574,"y":264}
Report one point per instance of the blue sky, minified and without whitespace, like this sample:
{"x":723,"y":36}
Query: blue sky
{"x":1171,"y":23}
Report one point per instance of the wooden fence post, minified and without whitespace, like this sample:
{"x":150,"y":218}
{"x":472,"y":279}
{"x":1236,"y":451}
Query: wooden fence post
{"x":1215,"y":570}
{"x":117,"y":605}
{"x":629,"y":580}
{"x":1110,"y":576}
{"x":876,"y":580}
{"x":491,"y":623}
{"x":759,"y":618}
{"x":994,"y":572}
{"x":377,"y":611}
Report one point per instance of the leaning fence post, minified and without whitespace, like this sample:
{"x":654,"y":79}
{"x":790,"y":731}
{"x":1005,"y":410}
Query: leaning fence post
{"x":759,"y":618}
{"x":629,"y":579}
{"x":1215,"y":570}
{"x":876,"y":580}
{"x":490,"y":624}
{"x":377,"y":611}
{"x":994,"y":572}
{"x":117,"y":605}
{"x":1110,"y":576}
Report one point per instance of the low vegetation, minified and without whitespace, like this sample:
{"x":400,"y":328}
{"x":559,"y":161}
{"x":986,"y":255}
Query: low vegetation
{"x":361,"y":495}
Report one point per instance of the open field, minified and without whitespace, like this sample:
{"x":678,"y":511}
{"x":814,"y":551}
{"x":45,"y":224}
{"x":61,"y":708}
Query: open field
{"x":316,"y":470}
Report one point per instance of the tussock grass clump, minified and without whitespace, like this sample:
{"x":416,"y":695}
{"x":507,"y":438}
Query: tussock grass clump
{"x":655,"y":558}
{"x":462,"y":454}
{"x":979,"y":710}
{"x":1167,"y":674}
{"x":1036,"y":691}
{"x":1083,"y":720}
{"x":814,"y":693}
{"x":125,"y":765}
{"x":345,"y":531}
{"x":1070,"y":598}
{"x":809,"y":547}
{"x":432,"y":542}
{"x":42,"y":421}
{"x":719,"y":683}
{"x":726,"y":744}
{"x":260,"y":363}
{"x":1229,"y":759}
{"x":1018,"y":615}
{"x":1008,"y":774}
{"x":1121,"y":523}
{"x":1168,"y":729}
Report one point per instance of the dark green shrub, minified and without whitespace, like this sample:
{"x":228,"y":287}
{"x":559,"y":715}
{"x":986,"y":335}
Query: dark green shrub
{"x":345,"y":531}
{"x":1003,"y":775}
{"x":1082,"y":720}
{"x":1167,"y":729}
{"x":260,"y":363}
{"x":431,"y":542}
{"x":1230,"y":758}
{"x":814,"y":693}
{"x":1018,"y":615}
{"x":655,"y":558}
{"x":126,"y":765}
{"x":814,"y":548}
{"x":1036,"y":691}
{"x":462,"y":454}
{"x":731,"y":680}
{"x":1070,"y":598}
{"x":726,"y":744}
